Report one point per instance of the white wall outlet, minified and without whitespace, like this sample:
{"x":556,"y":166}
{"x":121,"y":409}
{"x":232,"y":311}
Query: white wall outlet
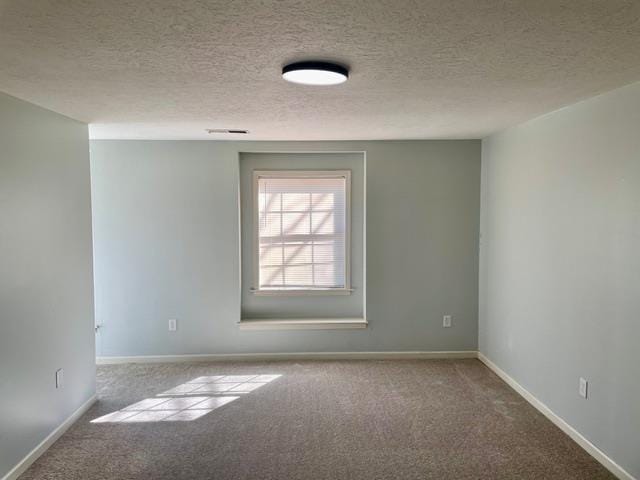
{"x":173,"y":324}
{"x":446,"y":321}
{"x":583,"y":388}
{"x":59,"y":377}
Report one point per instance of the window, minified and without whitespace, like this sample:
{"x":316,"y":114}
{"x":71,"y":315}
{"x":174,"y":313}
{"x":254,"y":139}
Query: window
{"x":301,"y":231}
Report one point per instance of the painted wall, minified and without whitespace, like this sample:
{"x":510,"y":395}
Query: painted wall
{"x":560,"y":269}
{"x":166,"y":246}
{"x":314,"y":306}
{"x":46,"y":288}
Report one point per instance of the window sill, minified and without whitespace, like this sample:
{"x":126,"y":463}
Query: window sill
{"x":303,"y":324}
{"x":307,"y":292}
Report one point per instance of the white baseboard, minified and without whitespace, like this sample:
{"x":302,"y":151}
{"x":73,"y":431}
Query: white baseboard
{"x":260,"y":357}
{"x":42,"y":447}
{"x":576,"y":436}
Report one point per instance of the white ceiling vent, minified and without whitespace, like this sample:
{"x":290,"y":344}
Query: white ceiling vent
{"x":227,"y":130}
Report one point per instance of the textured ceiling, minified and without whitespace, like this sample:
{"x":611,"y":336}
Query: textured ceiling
{"x":419,"y":69}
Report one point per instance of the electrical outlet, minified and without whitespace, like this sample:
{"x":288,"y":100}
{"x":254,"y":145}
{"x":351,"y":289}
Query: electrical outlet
{"x":59,"y":377}
{"x":173,"y":324}
{"x":583,"y":388}
{"x":446,"y":321}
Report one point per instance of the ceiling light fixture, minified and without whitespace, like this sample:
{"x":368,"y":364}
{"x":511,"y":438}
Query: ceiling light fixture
{"x":315,"y":73}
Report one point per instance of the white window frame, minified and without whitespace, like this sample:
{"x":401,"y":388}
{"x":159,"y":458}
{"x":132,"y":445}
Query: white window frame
{"x":257,"y":174}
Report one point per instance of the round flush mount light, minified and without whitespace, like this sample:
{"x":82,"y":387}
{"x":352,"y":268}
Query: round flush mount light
{"x":315,"y":73}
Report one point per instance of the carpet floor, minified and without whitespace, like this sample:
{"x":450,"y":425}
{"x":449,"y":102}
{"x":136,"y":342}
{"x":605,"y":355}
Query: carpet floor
{"x":428,"y":419}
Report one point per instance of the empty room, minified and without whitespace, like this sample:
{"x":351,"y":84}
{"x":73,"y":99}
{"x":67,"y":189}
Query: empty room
{"x":309,"y":239}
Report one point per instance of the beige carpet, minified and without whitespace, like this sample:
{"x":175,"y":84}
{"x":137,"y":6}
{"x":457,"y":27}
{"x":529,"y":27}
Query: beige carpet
{"x":438,"y":419}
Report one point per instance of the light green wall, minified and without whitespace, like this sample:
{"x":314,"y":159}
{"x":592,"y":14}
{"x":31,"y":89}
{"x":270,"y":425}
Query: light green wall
{"x":167,"y":246}
{"x":46,"y":288}
{"x":560,"y":264}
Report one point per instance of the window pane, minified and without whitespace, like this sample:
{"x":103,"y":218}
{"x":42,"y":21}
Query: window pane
{"x":296,"y":202}
{"x":323,"y":201}
{"x":328,"y":276}
{"x":295,"y":224}
{"x":298,"y":275}
{"x":269,"y":202}
{"x":270,"y":276}
{"x":271,"y":255}
{"x":327,"y":252}
{"x":298,"y":253}
{"x":270,"y":225}
{"x":323,"y":222}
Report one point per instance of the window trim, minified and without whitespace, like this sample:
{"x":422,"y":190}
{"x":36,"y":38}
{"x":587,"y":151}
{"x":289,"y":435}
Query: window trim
{"x":257,"y":174}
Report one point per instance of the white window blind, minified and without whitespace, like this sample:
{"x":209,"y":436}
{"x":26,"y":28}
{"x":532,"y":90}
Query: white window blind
{"x":302,"y":230}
